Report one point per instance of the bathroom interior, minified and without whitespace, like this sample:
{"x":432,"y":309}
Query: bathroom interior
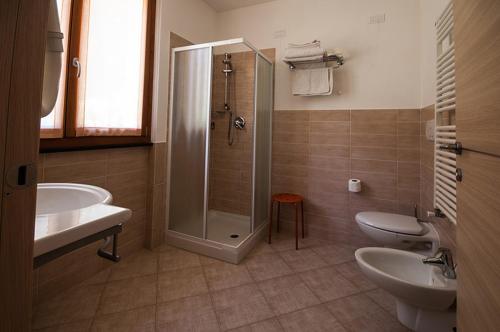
{"x":250,"y":165}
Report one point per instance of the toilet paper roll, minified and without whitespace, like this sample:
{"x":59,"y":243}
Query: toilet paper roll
{"x":354,"y":185}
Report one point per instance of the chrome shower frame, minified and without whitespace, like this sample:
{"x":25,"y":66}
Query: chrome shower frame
{"x":216,"y":249}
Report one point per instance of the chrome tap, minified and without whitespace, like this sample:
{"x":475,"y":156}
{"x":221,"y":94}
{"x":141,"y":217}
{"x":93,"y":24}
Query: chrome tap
{"x":444,"y":260}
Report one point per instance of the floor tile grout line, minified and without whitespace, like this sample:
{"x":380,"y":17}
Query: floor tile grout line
{"x":157,"y":288}
{"x":212,"y":302}
{"x":100,"y":298}
{"x":269,"y":305}
{"x":302,"y":280}
{"x":370,"y":299}
{"x":256,"y":283}
{"x":62,"y":324}
{"x":378,"y":288}
{"x":321,"y":302}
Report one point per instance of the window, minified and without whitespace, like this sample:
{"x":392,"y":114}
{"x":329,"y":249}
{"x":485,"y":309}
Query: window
{"x":105,"y":88}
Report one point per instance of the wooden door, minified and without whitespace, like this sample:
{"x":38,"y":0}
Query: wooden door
{"x":22,"y":40}
{"x":477,"y":44}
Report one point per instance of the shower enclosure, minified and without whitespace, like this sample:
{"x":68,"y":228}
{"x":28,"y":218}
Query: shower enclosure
{"x":219,"y":148}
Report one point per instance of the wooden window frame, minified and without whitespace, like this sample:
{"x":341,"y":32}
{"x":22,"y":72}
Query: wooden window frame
{"x":72,"y":142}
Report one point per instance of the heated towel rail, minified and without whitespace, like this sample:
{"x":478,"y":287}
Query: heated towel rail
{"x":446,"y":146}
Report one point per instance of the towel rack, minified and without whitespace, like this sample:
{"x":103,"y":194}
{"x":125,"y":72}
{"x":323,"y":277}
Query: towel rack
{"x":339,"y":59}
{"x":447,"y":148}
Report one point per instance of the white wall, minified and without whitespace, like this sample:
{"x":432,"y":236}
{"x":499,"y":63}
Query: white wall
{"x":390,"y":65}
{"x":382,"y":68}
{"x":429,"y":13}
{"x":191,"y":19}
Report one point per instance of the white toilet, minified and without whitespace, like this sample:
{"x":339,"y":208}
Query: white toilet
{"x":398,"y":231}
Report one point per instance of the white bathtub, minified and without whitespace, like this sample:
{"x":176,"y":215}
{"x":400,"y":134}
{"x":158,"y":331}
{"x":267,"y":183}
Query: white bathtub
{"x":68,"y":212}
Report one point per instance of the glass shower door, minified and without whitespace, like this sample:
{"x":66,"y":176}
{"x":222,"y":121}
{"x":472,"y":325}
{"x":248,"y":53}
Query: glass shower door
{"x":188,"y":137}
{"x":262,"y":156}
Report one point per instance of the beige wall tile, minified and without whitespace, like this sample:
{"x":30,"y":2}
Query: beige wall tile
{"x":370,"y":140}
{"x":290,"y":137}
{"x":336,"y":151}
{"x":374,"y":115}
{"x":408,"y":128}
{"x":374,"y":127}
{"x":290,"y":148}
{"x":333,"y":127}
{"x":128,"y":159}
{"x":328,"y":162}
{"x":330,"y":115}
{"x":408,"y":142}
{"x":287,"y":116}
{"x":380,"y":146}
{"x":375,"y":166}
{"x":409,"y":155}
{"x":75,"y":172}
{"x":327,"y":138}
{"x":73,"y":157}
{"x":411,"y":115}
{"x":373,"y":153}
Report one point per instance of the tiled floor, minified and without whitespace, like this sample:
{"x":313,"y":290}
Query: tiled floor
{"x":318,"y":288}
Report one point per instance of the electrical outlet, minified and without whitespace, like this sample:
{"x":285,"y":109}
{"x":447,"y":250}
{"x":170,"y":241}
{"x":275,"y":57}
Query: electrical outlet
{"x":377,"y":19}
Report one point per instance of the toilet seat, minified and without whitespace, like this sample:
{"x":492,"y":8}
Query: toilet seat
{"x":391,"y":222}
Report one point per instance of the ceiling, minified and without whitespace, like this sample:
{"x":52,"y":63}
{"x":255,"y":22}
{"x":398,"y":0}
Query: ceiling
{"x":224,"y":5}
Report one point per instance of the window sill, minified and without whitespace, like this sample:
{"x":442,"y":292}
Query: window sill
{"x":91,"y":143}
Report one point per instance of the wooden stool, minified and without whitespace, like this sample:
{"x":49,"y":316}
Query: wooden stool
{"x":290,"y":199}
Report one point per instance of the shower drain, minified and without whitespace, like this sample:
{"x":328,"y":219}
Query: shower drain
{"x":234,"y":236}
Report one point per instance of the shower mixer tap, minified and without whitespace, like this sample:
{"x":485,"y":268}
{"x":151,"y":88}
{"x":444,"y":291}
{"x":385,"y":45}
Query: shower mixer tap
{"x":239,"y":122}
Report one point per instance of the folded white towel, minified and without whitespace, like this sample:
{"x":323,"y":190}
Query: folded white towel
{"x":320,"y":81}
{"x":296,"y":53}
{"x":315,"y":43}
{"x":312,"y":82}
{"x":301,"y":82}
{"x":304,"y":50}
{"x":304,"y":58}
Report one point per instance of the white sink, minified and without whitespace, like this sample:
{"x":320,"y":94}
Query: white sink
{"x":67,"y":212}
{"x":61,"y":197}
{"x":424,"y":296}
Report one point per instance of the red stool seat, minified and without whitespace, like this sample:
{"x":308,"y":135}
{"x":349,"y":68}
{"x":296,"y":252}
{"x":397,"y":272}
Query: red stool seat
{"x":288,"y":198}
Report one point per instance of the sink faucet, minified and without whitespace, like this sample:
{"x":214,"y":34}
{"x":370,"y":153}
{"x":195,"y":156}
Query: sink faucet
{"x":444,"y":260}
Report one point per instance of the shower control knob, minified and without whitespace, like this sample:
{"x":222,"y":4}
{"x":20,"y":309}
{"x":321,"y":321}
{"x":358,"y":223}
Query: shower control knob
{"x":239,"y":122}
